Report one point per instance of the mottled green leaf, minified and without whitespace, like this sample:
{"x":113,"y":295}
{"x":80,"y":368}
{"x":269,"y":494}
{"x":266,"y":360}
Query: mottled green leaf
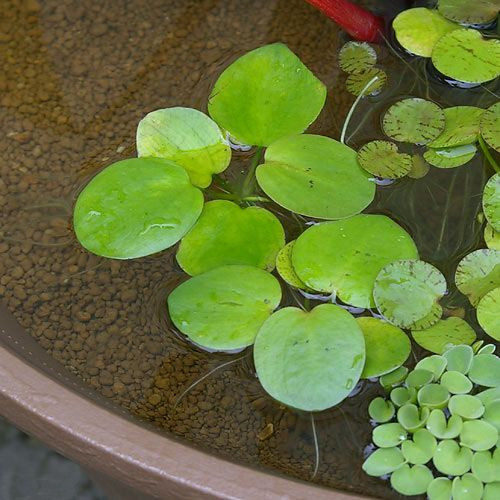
{"x":356,"y":57}
{"x":488,"y":313}
{"x":381,"y":158}
{"x":490,"y":126}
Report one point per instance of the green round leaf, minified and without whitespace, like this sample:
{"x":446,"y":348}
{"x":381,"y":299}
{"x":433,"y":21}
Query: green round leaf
{"x":491,"y":201}
{"x":452,"y":459}
{"x":492,"y":413}
{"x":430,"y":319}
{"x":435,"y":364}
{"x":414,"y":120}
{"x":285,"y":268}
{"x":381,"y":158}
{"x":418,"y":378}
{"x":405,"y":291}
{"x":227,"y":234}
{"x":450,"y":157}
{"x":459,"y":358}
{"x":266,"y":94}
{"x":310,"y":360}
{"x":446,"y":332}
{"x":486,"y":465}
{"x":433,"y":396}
{"x":442,"y":428}
{"x":491,"y":491}
{"x":485,"y":370}
{"x":389,"y":435}
{"x":136,"y":207}
{"x":420,"y":449}
{"x":419,"y":167}
{"x":488,"y":313}
{"x":412,"y":417}
{"x":411,"y":480}
{"x":492,"y":237}
{"x":383,"y":461}
{"x":394,"y":378}
{"x":346,"y":256}
{"x":357,"y":83}
{"x":478,"y":435}
{"x":315,"y":176}
{"x":487,"y":349}
{"x":224,"y":308}
{"x":490,"y":126}
{"x":466,"y":56}
{"x":187,"y":137}
{"x":461,"y":127}
{"x":417,"y":30}
{"x":387,"y":347}
{"x":476,"y":346}
{"x":403,"y":395}
{"x":478,"y":273}
{"x":356,"y":57}
{"x":489,"y":395}
{"x":456,"y":382}
{"x":439,"y":489}
{"x":465,"y":12}
{"x":467,"y":487}
{"x":381,"y":410}
{"x":466,"y":406}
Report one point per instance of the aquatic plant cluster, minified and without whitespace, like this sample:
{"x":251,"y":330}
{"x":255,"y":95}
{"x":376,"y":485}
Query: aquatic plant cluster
{"x":364,"y":268}
{"x":445,"y":412}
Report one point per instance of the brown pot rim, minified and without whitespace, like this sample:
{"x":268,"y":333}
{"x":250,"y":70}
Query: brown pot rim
{"x":103,"y":441}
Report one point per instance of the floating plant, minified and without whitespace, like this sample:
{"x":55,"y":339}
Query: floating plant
{"x":450,"y":157}
{"x":488,"y":314}
{"x":414,"y":120}
{"x":417,"y":30}
{"x":285,"y":268}
{"x":357,"y":57}
{"x":490,"y":126}
{"x":382,"y":158}
{"x":491,"y":237}
{"x":369,"y":82}
{"x":491,"y":201}
{"x":481,"y":12}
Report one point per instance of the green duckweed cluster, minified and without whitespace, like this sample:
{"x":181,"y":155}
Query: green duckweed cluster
{"x":437,"y":431}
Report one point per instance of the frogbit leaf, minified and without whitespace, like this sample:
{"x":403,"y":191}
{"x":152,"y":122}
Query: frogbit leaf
{"x":356,"y":57}
{"x":315,"y":176}
{"x":466,"y":406}
{"x":488,"y":313}
{"x":346,"y":256}
{"x":491,"y":201}
{"x":224,"y":308}
{"x":113,"y":218}
{"x":383,"y":461}
{"x":403,"y":395}
{"x":435,"y":364}
{"x":478,"y":435}
{"x":439,"y":489}
{"x":442,"y":428}
{"x":420,"y":449}
{"x":450,"y":157}
{"x":452,"y":459}
{"x":463,"y":12}
{"x":478,"y":273}
{"x":381,"y":410}
{"x":486,"y":464}
{"x":381,"y":158}
{"x":405,"y":292}
{"x":443,"y":334}
{"x":387,"y":347}
{"x":411,"y":417}
{"x":433,"y":396}
{"x":485,"y":370}
{"x":491,"y":491}
{"x":467,"y":487}
{"x":265,"y":95}
{"x":394,"y":378}
{"x":466,"y":56}
{"x":417,"y":30}
{"x":459,"y":358}
{"x":226,"y":234}
{"x":389,"y":435}
{"x":187,"y":137}
{"x":456,"y":382}
{"x":309,"y":360}
{"x":414,"y":120}
{"x":490,"y":126}
{"x":409,"y":480}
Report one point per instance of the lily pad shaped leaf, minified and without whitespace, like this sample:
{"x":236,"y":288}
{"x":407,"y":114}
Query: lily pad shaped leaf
{"x":435,"y":364}
{"x":456,"y":382}
{"x":227,"y":234}
{"x":387,"y":347}
{"x":491,"y":237}
{"x":491,"y":491}
{"x":136,"y":207}
{"x":459,"y":358}
{"x":358,"y":83}
{"x":492,"y":414}
{"x":405,"y":291}
{"x":478,"y":273}
{"x":285,"y":268}
{"x":466,"y":56}
{"x":466,"y":406}
{"x":389,"y":435}
{"x":417,"y":30}
{"x":381,"y":158}
{"x":223,"y":309}
{"x":187,"y":137}
{"x":411,"y":417}
{"x":439,"y":489}
{"x":394,"y":378}
{"x":464,"y":12}
{"x":491,"y":201}
{"x":467,"y":487}
{"x":266,"y":94}
{"x":442,"y":428}
{"x":488,"y":313}
{"x":451,"y":459}
{"x":356,"y":57}
{"x":409,"y":480}
{"x":461,"y":128}
{"x":486,"y":464}
{"x":383,"y":461}
{"x":445,"y":333}
{"x":420,"y":449}
{"x":478,"y":435}
{"x":414,"y":120}
{"x":310,"y":360}
{"x":381,"y":410}
{"x":485,"y":370}
{"x":346,"y":256}
{"x":315,"y":176}
{"x":490,"y":126}
{"x":450,"y":157}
